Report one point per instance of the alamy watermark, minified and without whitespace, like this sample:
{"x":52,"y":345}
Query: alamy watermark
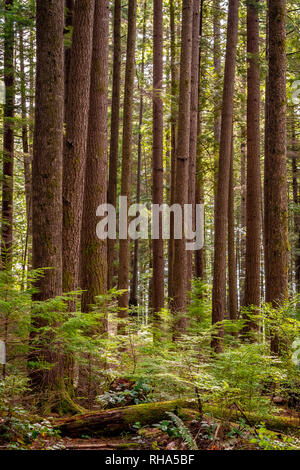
{"x":140,"y":222}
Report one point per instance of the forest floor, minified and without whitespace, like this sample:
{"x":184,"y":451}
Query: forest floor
{"x":208,"y":433}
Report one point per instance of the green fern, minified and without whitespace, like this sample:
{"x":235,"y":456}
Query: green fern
{"x":184,"y":431}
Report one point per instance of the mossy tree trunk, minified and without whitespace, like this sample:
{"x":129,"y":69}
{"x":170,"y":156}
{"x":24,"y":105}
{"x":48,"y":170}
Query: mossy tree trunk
{"x":275,"y":185}
{"x":114,"y":136}
{"x":124,"y":250}
{"x":221,"y":212}
{"x":178,"y":305}
{"x":8,"y":139}
{"x":47,"y":185}
{"x":253,"y":219}
{"x":74,"y":160}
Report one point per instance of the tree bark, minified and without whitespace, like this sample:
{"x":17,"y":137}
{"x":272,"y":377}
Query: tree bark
{"x":221,"y":212}
{"x":182,"y":166}
{"x":93,"y":250}
{"x":47,"y":178}
{"x":135,"y":269}
{"x":217,"y":70}
{"x":26,"y":155}
{"x":193,"y":127}
{"x":118,"y":420}
{"x":124,"y":255}
{"x":199,"y":184}
{"x":69,"y":15}
{"x":275,"y":187}
{"x":173,"y":148}
{"x":232,"y":278}
{"x":8,"y":140}
{"x":76,"y":140}
{"x":157,"y":160}
{"x":253,"y":238}
{"x":114,"y":136}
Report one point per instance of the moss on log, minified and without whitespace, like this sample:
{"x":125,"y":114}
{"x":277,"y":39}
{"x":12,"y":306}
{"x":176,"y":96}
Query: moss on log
{"x":114,"y":421}
{"x":272,"y":422}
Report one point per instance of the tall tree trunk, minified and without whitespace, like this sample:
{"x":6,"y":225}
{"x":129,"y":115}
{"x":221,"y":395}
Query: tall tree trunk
{"x":276,"y":204}
{"x":47,"y":177}
{"x":93,"y":250}
{"x":182,"y":166}
{"x":69,"y":14}
{"x":232,"y":278}
{"x":8,"y":139}
{"x":253,"y":239}
{"x":157,"y":158}
{"x":217,"y":70}
{"x":114,"y":135}
{"x":124,"y":255}
{"x":199,"y":189}
{"x":26,"y":154}
{"x":243,"y":213}
{"x":76,"y":140}
{"x":193,"y":126}
{"x":173,"y":148}
{"x":221,"y":212}
{"x":134,"y":282}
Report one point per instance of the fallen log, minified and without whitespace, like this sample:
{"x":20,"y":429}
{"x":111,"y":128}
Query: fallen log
{"x":117,"y":420}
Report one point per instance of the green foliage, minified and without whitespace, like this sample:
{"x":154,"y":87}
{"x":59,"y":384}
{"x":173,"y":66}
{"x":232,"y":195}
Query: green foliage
{"x":269,"y":440}
{"x":136,"y":395}
{"x":183,"y":431}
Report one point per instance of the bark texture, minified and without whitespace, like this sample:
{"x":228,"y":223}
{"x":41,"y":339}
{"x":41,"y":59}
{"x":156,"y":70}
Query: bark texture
{"x":47,"y":175}
{"x":114,"y":136}
{"x":157,"y":157}
{"x":221,"y":211}
{"x":253,"y":219}
{"x":182,"y":165}
{"x":94,"y":250}
{"x":76,"y":140}
{"x":124,"y":251}
{"x":193,"y":127}
{"x":8,"y":139}
{"x":275,"y":187}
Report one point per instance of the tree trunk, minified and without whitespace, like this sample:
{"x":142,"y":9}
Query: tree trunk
{"x":76,"y":140}
{"x":118,"y":420}
{"x":69,"y":14}
{"x":232,"y":280}
{"x":157,"y":160}
{"x":114,"y":136}
{"x":135,"y":269}
{"x":193,"y":128}
{"x":221,"y":212}
{"x":93,"y":250}
{"x":276,"y":204}
{"x":253,"y":239}
{"x":26,"y":155}
{"x":8,"y":139}
{"x":217,"y":70}
{"x":243,"y":214}
{"x":199,"y":189}
{"x":124,"y":255}
{"x":173,"y":148}
{"x":47,"y":178}
{"x":182,"y":166}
